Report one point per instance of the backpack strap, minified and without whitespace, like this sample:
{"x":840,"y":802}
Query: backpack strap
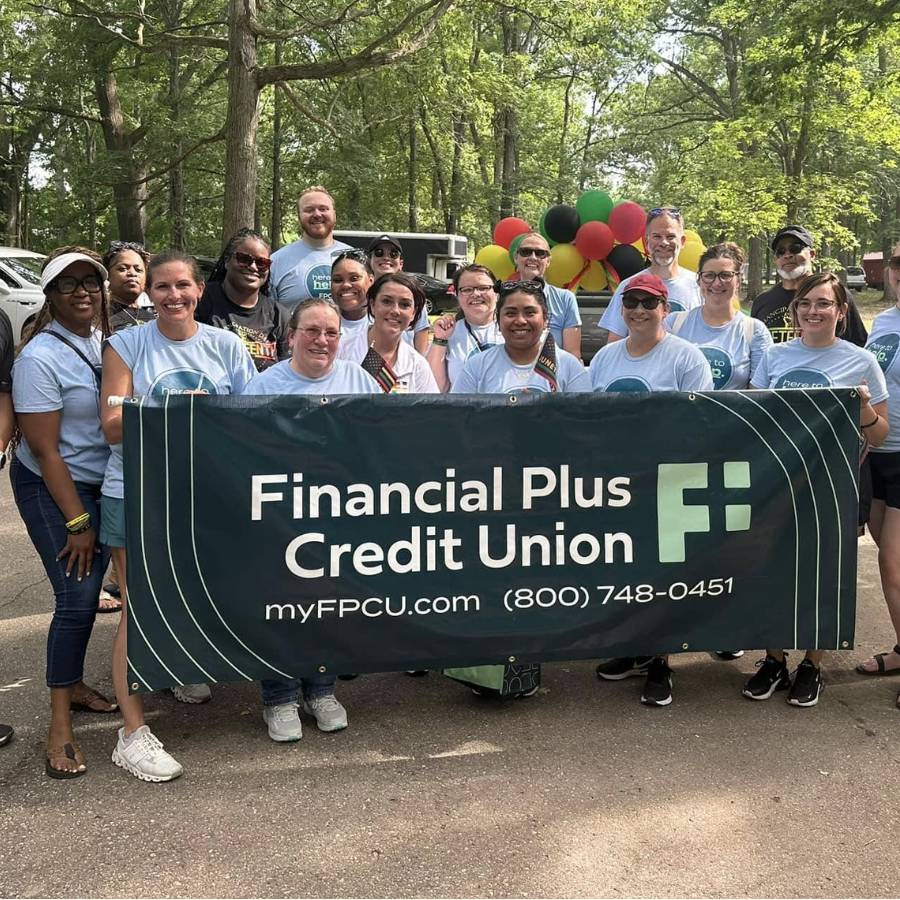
{"x":97,"y":370}
{"x":678,"y":321}
{"x":749,"y":330}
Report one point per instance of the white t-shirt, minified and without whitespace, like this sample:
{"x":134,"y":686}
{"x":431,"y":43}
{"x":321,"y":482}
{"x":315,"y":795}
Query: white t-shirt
{"x":493,"y":372}
{"x":884,"y":342}
{"x":464,"y":343}
{"x":412,"y":370}
{"x":672,"y":365}
{"x":349,"y":327}
{"x":732,"y":360}
{"x":343,"y":378}
{"x":684,"y":293}
{"x":299,"y":271}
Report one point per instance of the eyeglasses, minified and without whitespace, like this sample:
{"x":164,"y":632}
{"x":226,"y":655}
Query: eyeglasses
{"x":894,"y":262}
{"x":672,"y":211}
{"x":475,"y":289}
{"x":632,"y":300}
{"x":313,"y":334}
{"x":817,"y":305}
{"x":724,"y":277}
{"x":245,"y":260}
{"x":793,"y":249}
{"x":66,"y":284}
{"x":533,"y":286}
{"x":392,"y":252}
{"x":355,"y":254}
{"x":539,"y":252}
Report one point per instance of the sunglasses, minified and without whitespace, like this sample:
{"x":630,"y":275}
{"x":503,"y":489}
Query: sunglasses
{"x":356,"y":255}
{"x":793,"y":249}
{"x":672,"y":211}
{"x":634,"y":300}
{"x":894,"y":262}
{"x":529,"y":287}
{"x":392,"y":252}
{"x":66,"y":284}
{"x":245,"y":260}
{"x":539,"y":252}
{"x":724,"y":277}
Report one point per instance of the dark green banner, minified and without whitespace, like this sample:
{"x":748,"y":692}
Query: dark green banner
{"x":282,"y":536}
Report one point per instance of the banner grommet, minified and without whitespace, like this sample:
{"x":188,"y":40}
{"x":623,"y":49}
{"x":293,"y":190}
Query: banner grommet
{"x":134,"y":685}
{"x":324,"y":401}
{"x":684,"y":646}
{"x":511,"y":659}
{"x":322,"y":670}
{"x":513,"y":398}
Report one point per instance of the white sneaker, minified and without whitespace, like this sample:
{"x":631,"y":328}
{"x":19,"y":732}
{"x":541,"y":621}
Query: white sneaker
{"x":283,"y":722}
{"x":192,"y":693}
{"x":143,"y":756}
{"x":327,"y":711}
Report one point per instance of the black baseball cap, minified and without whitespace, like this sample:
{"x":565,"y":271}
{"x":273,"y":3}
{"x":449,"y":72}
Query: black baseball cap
{"x":385,"y":239}
{"x":794,"y":231}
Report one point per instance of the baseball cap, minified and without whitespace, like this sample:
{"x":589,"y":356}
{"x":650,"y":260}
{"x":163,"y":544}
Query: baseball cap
{"x":385,"y":239}
{"x":60,"y":263}
{"x":794,"y":231}
{"x":649,"y":283}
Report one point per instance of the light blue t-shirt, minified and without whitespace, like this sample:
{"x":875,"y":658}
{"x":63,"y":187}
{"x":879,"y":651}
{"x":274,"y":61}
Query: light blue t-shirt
{"x":683,"y":294}
{"x":842,"y":364}
{"x":49,"y":376}
{"x":344,"y":378}
{"x":672,"y":365}
{"x":213,"y":361}
{"x":493,"y":372}
{"x":732,"y":360}
{"x":563,"y":311}
{"x":464,"y":343}
{"x":299,"y":272}
{"x":884,"y":342}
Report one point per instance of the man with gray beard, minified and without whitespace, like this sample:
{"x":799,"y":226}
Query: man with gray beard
{"x":794,"y":255}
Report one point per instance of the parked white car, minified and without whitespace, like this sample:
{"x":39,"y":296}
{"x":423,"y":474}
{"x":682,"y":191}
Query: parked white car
{"x":20,"y":286}
{"x":856,"y":278}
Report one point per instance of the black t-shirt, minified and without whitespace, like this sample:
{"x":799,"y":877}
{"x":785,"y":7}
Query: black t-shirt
{"x":773,"y":308}
{"x":6,"y":353}
{"x":263,"y":328}
{"x":128,"y":316}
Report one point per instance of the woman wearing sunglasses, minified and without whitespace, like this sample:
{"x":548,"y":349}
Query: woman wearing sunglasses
{"x":236,"y":299}
{"x":818,"y":358}
{"x":649,"y":359}
{"x":472,"y":330}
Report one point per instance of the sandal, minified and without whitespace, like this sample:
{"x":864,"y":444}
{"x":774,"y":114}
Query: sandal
{"x":69,"y":751}
{"x":92,"y":701}
{"x":108,"y":602}
{"x":879,"y":662}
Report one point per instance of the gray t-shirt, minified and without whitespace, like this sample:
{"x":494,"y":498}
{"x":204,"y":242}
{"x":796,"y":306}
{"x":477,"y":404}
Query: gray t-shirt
{"x":49,"y":376}
{"x":464,"y":343}
{"x":884,"y":342}
{"x":563,"y":309}
{"x":672,"y":365}
{"x":732,"y":360}
{"x":213,"y":361}
{"x":683,"y":294}
{"x":299,"y":272}
{"x":493,"y":372}
{"x":344,"y":378}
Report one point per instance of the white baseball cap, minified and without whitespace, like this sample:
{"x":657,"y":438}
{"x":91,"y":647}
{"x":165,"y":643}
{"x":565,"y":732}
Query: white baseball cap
{"x":60,"y":263}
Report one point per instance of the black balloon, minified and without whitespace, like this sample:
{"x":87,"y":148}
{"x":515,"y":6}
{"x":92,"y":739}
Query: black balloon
{"x":626,"y":260}
{"x":561,"y":222}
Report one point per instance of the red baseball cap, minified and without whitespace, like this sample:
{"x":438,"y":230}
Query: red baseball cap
{"x":649,"y":283}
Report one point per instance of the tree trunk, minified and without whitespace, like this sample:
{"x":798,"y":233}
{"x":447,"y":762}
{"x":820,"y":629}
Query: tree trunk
{"x":412,"y":176}
{"x":176,"y":173}
{"x":755,"y":268}
{"x":275,"y":228}
{"x":90,"y":153}
{"x":242,"y":120}
{"x":459,"y":138}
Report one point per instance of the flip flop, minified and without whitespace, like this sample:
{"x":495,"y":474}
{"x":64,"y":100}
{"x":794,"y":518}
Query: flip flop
{"x":114,"y":604}
{"x":70,"y":751}
{"x":88,"y":703}
{"x":879,"y":661}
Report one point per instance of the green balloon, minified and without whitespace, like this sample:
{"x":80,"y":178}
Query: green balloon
{"x":543,"y":230}
{"x":515,"y":246}
{"x":594,"y":206}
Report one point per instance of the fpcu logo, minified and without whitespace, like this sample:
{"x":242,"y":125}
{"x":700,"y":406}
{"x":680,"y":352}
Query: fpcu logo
{"x":182,"y":381}
{"x":629,"y":385}
{"x":675,"y":518}
{"x":318,"y":281}
{"x":884,"y":347}
{"x":803,"y":378}
{"x":720,"y":364}
{"x":675,"y":305}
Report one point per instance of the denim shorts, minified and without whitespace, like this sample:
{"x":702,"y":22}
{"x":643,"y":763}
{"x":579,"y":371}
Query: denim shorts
{"x":112,"y":525}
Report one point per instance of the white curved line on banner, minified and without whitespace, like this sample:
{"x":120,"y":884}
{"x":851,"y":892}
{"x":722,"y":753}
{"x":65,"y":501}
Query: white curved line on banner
{"x":849,"y":417}
{"x":793,"y":499}
{"x":853,"y":479}
{"x":837,"y":516}
{"x":172,"y":561}
{"x":197,"y":562}
{"x":137,"y":674}
{"x":812,"y":494}
{"x":146,"y":569}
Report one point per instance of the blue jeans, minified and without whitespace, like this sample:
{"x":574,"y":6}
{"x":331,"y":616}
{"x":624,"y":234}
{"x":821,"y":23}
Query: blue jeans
{"x":276,"y":691}
{"x":76,"y":601}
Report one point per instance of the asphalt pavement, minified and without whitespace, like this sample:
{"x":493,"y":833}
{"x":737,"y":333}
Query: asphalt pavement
{"x":433,"y":792}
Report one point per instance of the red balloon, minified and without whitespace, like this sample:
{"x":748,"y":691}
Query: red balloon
{"x":594,"y":240}
{"x":506,"y":230}
{"x":628,"y":221}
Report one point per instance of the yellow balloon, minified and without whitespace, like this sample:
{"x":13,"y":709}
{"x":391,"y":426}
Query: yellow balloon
{"x":690,"y":255}
{"x":594,"y":279}
{"x":496,"y":258}
{"x":691,"y":237}
{"x":639,"y":245}
{"x":565,"y":264}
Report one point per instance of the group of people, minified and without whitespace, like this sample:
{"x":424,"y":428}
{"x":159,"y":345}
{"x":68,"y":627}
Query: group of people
{"x":319,"y":317}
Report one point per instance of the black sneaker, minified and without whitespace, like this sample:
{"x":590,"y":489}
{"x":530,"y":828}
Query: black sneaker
{"x":807,"y":686}
{"x":772,"y":676}
{"x":6,"y":733}
{"x":623,"y":667}
{"x":729,"y":655}
{"x":658,"y":686}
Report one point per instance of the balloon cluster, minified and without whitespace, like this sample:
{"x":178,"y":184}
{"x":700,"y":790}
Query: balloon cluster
{"x":594,"y":244}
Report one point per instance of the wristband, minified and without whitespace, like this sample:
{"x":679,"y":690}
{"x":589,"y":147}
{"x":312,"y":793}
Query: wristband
{"x":439,"y":342}
{"x":873,"y":422}
{"x":79,"y":524}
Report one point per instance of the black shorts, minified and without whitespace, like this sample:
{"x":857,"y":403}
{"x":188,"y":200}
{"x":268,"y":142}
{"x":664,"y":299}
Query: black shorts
{"x":886,"y":477}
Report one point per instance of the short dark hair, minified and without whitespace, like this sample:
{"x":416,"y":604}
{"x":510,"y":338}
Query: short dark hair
{"x":117,"y":247}
{"x":406,"y":281}
{"x":838,"y":288}
{"x":471,"y":268}
{"x":243,"y":234}
{"x":533,"y":287}
{"x":174,"y":256}
{"x":725,"y":250}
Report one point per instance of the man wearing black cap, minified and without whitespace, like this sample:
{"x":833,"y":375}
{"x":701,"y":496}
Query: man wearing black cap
{"x":386,"y":255}
{"x":794,"y":255}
